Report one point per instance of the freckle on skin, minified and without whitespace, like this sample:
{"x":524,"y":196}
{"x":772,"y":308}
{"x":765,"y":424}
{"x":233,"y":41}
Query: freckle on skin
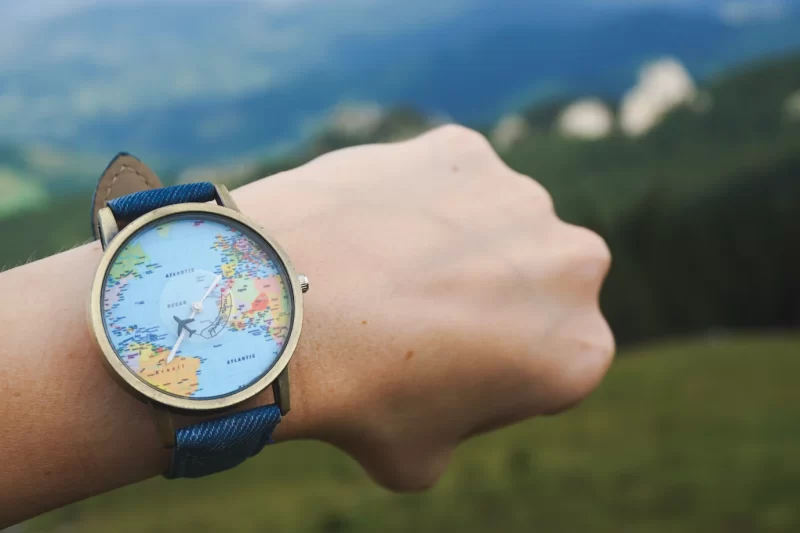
{"x":17,"y":394}
{"x":363,"y":322}
{"x":455,"y":168}
{"x":409,"y":355}
{"x":48,"y":473}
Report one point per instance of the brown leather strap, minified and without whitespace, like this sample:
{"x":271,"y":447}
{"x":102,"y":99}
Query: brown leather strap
{"x":124,"y":175}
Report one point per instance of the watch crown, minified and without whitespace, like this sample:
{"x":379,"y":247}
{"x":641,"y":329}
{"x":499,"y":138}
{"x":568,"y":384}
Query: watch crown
{"x":303,"y":279}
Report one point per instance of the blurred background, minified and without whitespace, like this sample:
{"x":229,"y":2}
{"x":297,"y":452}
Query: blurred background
{"x":672,"y":127}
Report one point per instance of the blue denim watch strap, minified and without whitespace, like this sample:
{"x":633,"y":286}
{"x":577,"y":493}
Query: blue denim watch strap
{"x":134,"y":205}
{"x":219,"y":444}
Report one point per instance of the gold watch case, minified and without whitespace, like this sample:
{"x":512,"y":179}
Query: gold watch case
{"x":113,"y":240}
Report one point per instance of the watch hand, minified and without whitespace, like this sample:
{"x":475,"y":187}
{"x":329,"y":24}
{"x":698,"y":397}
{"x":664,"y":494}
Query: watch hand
{"x":199,"y":305}
{"x":174,"y":350}
{"x":196,"y":308}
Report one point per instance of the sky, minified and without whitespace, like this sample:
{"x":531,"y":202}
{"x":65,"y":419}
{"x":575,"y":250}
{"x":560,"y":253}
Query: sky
{"x":13,"y":10}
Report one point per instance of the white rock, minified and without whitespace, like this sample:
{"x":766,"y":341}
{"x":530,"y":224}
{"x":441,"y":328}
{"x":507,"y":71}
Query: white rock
{"x":589,"y":119}
{"x":509,"y":131}
{"x":355,"y":119}
{"x":792,"y":106}
{"x":663,"y":85}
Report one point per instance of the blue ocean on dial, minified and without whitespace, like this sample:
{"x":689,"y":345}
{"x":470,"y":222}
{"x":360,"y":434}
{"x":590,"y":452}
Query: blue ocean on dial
{"x":195,"y":307}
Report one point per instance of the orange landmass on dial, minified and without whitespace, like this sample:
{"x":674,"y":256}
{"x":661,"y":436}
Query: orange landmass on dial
{"x":179,"y":377}
{"x":270,"y":306}
{"x":260,"y":302}
{"x":270,"y":295}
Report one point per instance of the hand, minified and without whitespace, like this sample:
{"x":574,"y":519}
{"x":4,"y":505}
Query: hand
{"x":183,"y":329}
{"x":448,"y":299}
{"x":197,"y":307}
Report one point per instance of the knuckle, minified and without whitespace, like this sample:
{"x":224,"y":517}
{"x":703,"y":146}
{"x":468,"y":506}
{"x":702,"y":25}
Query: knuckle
{"x":603,"y":346}
{"x":593,"y":255}
{"x":599,"y":248}
{"x":581,"y":262}
{"x":460,"y":138}
{"x":543,"y":196}
{"x":592,"y":356}
{"x":588,"y":347}
{"x":594,"y":245}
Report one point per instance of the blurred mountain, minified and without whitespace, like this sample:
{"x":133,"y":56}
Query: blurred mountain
{"x":214,"y":81}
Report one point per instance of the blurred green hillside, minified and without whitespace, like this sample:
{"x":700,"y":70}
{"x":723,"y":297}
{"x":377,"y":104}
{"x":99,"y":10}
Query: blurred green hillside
{"x":29,"y":176}
{"x":698,"y":436}
{"x":701,"y":213}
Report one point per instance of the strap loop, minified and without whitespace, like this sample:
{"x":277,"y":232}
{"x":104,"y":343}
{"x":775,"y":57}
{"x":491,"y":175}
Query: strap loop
{"x":124,"y":175}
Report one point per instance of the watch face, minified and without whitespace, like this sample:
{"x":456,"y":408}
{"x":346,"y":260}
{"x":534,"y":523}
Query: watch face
{"x":197,"y":305}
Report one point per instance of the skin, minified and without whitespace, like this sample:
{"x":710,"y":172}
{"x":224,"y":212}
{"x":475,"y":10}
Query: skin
{"x":447,"y":299}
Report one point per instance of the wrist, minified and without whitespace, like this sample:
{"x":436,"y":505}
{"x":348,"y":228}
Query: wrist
{"x":303,"y":421}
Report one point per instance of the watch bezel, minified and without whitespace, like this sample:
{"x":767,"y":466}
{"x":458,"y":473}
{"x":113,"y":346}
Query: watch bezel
{"x":144,"y":390}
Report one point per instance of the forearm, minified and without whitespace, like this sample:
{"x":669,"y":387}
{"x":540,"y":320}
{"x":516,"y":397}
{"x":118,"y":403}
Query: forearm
{"x":68,"y":430}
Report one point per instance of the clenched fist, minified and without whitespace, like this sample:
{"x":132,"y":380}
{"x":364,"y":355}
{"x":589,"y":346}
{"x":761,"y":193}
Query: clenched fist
{"x":448,"y":299}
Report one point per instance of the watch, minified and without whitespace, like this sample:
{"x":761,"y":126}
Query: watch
{"x":196,"y":311}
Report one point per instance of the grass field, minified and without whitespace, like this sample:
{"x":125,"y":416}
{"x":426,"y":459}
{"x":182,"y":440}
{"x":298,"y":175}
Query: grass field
{"x":696,"y":436}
